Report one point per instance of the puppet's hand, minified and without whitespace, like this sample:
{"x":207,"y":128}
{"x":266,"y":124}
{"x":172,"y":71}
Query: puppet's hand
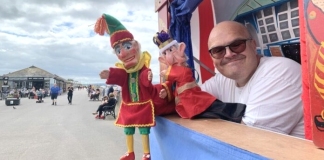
{"x":104,"y":74}
{"x":162,"y":93}
{"x":150,"y":75}
{"x":163,"y":73}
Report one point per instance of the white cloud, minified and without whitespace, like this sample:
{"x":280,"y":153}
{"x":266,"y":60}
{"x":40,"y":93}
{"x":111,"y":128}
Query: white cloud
{"x":57,"y":35}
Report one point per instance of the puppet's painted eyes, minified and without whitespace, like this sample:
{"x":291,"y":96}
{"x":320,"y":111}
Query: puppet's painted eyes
{"x":117,"y":49}
{"x":127,"y":45}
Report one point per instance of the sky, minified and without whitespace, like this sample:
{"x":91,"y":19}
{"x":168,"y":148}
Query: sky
{"x":58,"y":36}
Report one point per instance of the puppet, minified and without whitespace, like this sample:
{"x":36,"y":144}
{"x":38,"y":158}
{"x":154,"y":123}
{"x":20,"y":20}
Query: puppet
{"x":191,"y":101}
{"x":139,"y":96}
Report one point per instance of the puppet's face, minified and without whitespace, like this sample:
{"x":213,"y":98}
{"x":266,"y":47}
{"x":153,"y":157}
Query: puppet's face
{"x":174,"y":55}
{"x":128,"y":52}
{"x":168,"y":55}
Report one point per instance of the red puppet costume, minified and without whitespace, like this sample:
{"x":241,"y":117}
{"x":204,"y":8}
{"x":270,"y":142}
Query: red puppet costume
{"x":136,"y":95}
{"x":191,"y":101}
{"x":187,"y":92}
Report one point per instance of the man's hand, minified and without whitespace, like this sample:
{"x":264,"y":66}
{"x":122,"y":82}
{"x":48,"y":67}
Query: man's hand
{"x":163,"y":93}
{"x":150,"y":75}
{"x":104,"y":74}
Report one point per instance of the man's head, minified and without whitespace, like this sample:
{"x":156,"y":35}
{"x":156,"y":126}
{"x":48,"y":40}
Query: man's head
{"x":233,"y":51}
{"x":111,"y":95}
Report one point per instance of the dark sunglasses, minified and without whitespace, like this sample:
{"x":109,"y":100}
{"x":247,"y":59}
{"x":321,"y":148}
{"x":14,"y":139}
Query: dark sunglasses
{"x":237,"y":46}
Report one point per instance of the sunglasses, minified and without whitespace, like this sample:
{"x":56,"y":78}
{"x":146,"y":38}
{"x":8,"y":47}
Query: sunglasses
{"x":237,"y":46}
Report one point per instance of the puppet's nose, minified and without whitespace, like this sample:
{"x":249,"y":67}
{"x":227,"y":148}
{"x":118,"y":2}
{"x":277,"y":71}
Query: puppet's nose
{"x":123,"y":53}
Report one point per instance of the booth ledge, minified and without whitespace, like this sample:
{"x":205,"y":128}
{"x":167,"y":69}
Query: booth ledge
{"x":182,"y":139}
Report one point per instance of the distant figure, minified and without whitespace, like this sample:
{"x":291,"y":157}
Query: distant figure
{"x":54,"y":92}
{"x":95,"y":94}
{"x":111,"y":101}
{"x":70,"y":94}
{"x":89,"y":90}
{"x":110,"y":90}
{"x":39,"y":94}
{"x":103,"y":92}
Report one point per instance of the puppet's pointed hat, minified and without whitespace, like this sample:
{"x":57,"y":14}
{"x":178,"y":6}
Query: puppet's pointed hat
{"x":163,"y":40}
{"x":109,"y":24}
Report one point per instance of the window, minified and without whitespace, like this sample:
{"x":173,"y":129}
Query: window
{"x":267,"y":25}
{"x":283,"y":25}
{"x":267,"y":12}
{"x":262,"y":29}
{"x":283,"y":17}
{"x":271,"y":28}
{"x":265,"y":39}
{"x":273,"y":37}
{"x":295,"y":22}
{"x":294,"y":4}
{"x":288,"y":20}
{"x":296,"y":32}
{"x":269,"y":20}
{"x":294,"y":14}
{"x":261,"y":23}
{"x":285,"y":35}
{"x":278,"y":23}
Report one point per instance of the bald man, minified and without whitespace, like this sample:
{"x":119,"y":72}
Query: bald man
{"x":269,"y":86}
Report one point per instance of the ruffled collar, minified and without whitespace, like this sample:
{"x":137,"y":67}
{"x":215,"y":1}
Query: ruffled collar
{"x":145,"y":59}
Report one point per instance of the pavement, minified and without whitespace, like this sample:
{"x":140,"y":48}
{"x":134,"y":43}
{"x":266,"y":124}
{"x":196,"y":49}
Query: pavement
{"x":41,"y":131}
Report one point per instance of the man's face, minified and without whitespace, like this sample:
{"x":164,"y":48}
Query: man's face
{"x":128,"y":53}
{"x":229,"y":62}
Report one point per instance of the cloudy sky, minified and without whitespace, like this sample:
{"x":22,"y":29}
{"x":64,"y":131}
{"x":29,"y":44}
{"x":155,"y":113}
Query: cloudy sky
{"x":57,"y":35}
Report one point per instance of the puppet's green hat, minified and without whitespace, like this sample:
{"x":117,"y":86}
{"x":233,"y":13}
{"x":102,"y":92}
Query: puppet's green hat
{"x":118,"y":33}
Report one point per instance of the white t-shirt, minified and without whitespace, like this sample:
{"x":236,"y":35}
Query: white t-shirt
{"x":272,"y":96}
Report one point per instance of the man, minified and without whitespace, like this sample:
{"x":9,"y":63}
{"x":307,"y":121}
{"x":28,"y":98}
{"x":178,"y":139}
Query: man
{"x":70,"y":94}
{"x":269,"y":86}
{"x":54,"y":92}
{"x":139,"y":96}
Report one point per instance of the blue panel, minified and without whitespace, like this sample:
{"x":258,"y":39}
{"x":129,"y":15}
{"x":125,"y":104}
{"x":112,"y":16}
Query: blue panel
{"x":170,"y":141}
{"x":266,"y":52}
{"x":259,"y":51}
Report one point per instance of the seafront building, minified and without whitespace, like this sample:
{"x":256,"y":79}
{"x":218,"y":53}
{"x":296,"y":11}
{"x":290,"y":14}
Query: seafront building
{"x":33,"y":77}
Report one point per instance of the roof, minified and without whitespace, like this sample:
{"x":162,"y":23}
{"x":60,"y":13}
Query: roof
{"x":32,"y":71}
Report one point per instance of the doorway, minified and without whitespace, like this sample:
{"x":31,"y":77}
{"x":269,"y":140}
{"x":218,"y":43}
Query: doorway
{"x":38,"y":84}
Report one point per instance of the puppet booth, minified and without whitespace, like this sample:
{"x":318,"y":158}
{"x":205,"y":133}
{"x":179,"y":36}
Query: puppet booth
{"x":288,"y":28}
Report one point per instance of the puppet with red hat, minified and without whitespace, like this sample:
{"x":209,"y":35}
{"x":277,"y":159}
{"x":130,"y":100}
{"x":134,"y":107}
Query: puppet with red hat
{"x":139,"y":97}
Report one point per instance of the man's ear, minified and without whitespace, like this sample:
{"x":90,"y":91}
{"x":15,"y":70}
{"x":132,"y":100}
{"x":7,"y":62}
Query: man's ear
{"x":182,"y":47}
{"x":162,"y":60}
{"x":254,"y":43}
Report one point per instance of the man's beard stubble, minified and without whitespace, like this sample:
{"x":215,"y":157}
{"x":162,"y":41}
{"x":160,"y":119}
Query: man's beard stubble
{"x":225,"y":61}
